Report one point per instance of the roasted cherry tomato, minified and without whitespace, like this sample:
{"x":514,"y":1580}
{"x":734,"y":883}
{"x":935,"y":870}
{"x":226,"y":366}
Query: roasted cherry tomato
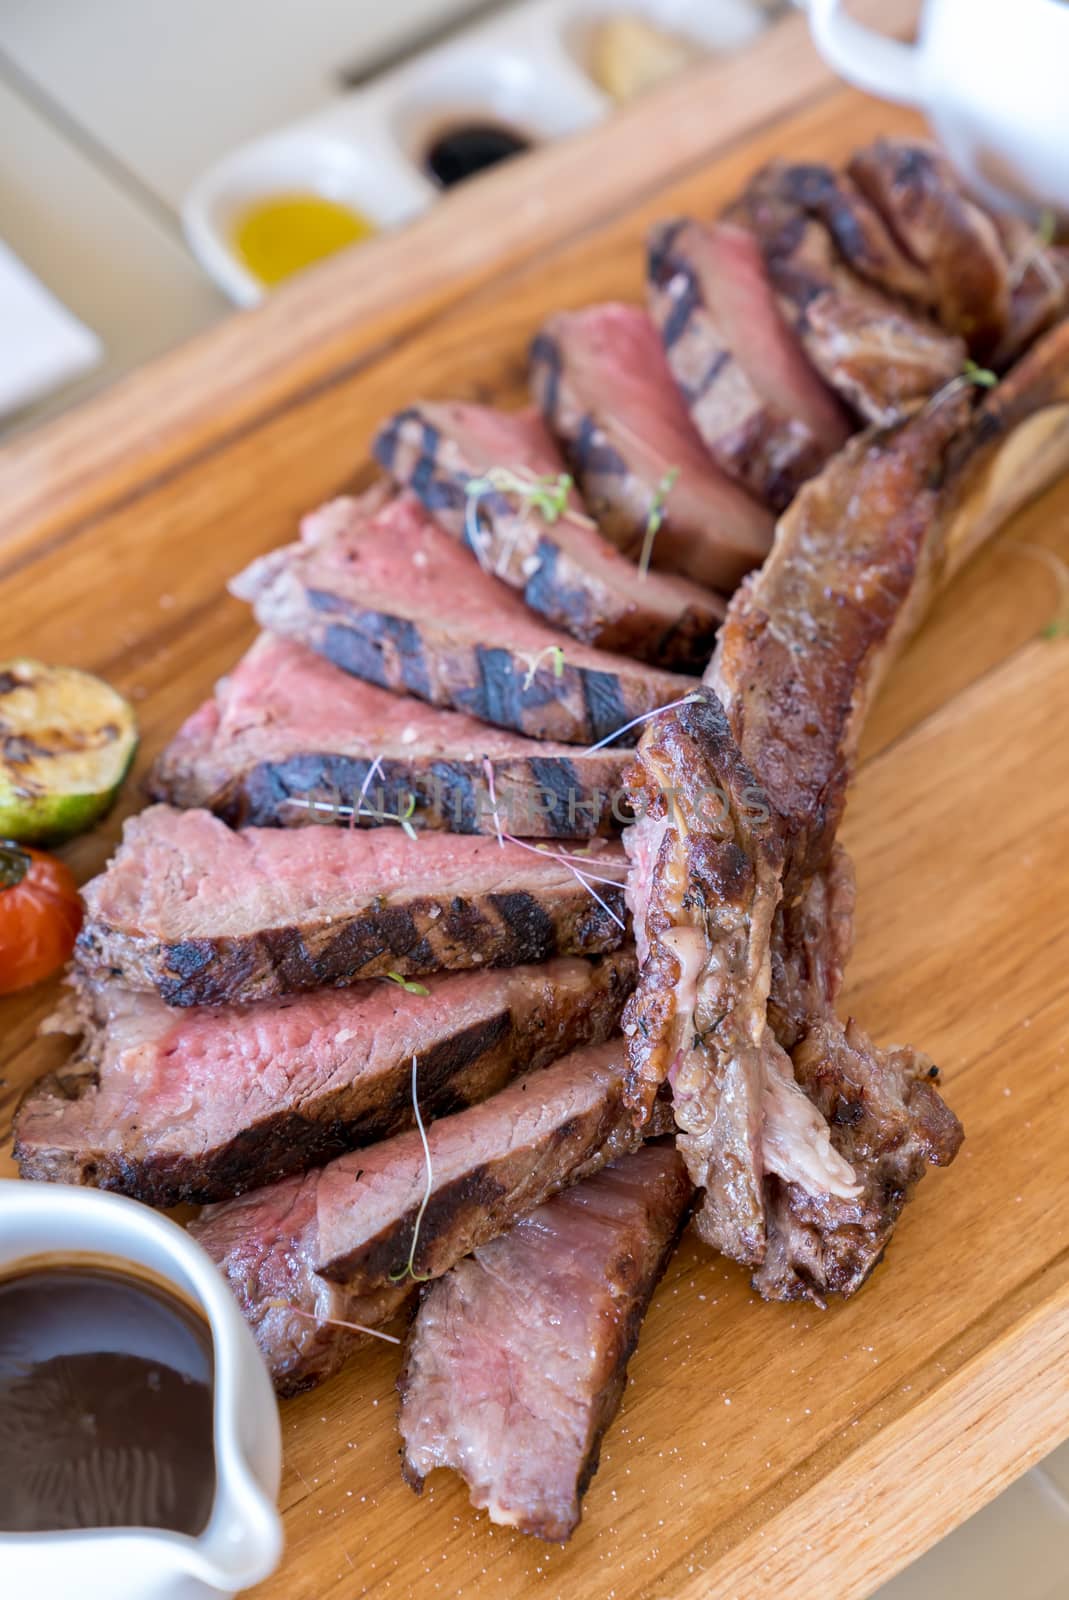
{"x":40,"y":914}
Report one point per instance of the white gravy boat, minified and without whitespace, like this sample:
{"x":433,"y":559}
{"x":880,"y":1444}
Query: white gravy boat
{"x":992,"y":78}
{"x":243,"y":1539}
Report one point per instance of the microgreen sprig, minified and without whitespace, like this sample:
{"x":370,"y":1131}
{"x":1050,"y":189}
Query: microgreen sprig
{"x":533,"y":659}
{"x":335,"y":808}
{"x":278,"y":1304}
{"x":655,"y":518}
{"x":405,"y":983}
{"x":548,"y":495}
{"x":409,"y":1268}
{"x":1058,"y":626}
{"x":982,"y":377}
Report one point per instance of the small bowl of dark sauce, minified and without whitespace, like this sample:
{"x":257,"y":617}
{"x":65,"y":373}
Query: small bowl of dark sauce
{"x":139,"y":1440}
{"x":465,"y":149}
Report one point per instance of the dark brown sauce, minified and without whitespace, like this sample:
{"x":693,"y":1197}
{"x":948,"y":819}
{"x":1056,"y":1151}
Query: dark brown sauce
{"x":463,"y":151}
{"x":105,"y":1403}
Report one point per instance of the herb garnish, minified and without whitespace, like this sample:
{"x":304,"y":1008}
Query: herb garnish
{"x":982,"y":377}
{"x":405,"y":983}
{"x":547,"y":495}
{"x":534,"y":659}
{"x":655,"y":518}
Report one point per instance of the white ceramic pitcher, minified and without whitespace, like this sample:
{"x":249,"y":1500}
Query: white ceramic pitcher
{"x":243,"y":1539}
{"x":992,"y":77}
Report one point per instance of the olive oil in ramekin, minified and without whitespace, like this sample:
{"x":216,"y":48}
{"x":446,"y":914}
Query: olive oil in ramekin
{"x":281,"y":234}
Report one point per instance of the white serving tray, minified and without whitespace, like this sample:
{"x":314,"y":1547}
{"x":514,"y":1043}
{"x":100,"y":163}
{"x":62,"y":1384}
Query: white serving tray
{"x":524,"y":68}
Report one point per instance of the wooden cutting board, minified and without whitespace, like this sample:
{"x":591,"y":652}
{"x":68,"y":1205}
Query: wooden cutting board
{"x":760,"y":1450}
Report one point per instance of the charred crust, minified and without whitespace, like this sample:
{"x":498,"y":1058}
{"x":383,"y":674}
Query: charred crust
{"x":546,"y":365}
{"x":359,"y":653}
{"x":375,"y":1261}
{"x":532,"y":933}
{"x":605,"y":705}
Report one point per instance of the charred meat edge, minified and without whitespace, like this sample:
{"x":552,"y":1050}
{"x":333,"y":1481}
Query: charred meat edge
{"x":538,"y":1017}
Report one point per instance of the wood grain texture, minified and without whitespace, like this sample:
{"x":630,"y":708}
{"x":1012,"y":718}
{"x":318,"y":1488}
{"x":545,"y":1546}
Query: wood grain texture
{"x":761,"y":1449}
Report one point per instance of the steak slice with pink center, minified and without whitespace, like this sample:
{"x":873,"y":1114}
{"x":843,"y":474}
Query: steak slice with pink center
{"x":603,"y":383}
{"x":367,"y":588}
{"x":203,"y":915}
{"x":461,"y":460}
{"x":360,"y":1224}
{"x":764,"y":413}
{"x":287,"y":739}
{"x":517,"y":1360}
{"x":202,"y":1104}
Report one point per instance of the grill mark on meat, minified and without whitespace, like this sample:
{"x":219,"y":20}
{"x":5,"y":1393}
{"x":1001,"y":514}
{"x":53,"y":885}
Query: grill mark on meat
{"x":528,"y":923}
{"x":364,"y":588}
{"x":954,"y":243}
{"x":368,"y":642}
{"x":610,"y":398}
{"x":497,"y":698}
{"x":517,"y":1359}
{"x":665,"y":262}
{"x":350,"y":1223}
{"x":268,"y":1090}
{"x":545,"y":354}
{"x":882,"y":355}
{"x":565,"y":570}
{"x":286,"y":725}
{"x":256,"y":935}
{"x":763,"y":413}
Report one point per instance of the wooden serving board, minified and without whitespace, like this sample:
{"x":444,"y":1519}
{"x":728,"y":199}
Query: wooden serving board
{"x":761,"y":1449}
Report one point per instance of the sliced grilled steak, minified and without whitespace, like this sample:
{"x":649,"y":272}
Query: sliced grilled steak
{"x":954,"y":243}
{"x":490,"y":1165}
{"x":602,"y":381}
{"x":881,"y":356}
{"x":204,"y":916}
{"x":368,"y":592}
{"x":889,"y":1123}
{"x":200,"y":1105}
{"x":764,"y":414}
{"x":287,"y":740}
{"x":306,"y":1328}
{"x":355,"y":1221}
{"x":554,"y":554}
{"x":863,"y":237}
{"x":518,"y":1358}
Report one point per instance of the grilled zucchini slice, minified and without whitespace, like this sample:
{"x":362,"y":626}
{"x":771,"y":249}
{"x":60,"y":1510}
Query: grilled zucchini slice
{"x":66,"y":744}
